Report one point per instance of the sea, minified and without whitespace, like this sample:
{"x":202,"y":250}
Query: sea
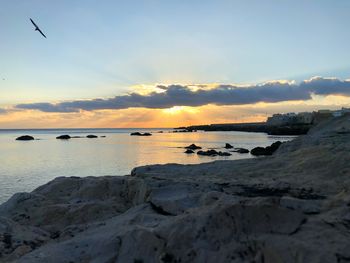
{"x":25,"y":165}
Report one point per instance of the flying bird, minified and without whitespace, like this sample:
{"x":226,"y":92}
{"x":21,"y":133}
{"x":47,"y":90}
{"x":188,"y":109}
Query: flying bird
{"x":37,"y":28}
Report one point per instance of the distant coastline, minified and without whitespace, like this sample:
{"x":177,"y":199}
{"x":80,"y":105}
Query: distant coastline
{"x":278,"y":124}
{"x":253,"y":127}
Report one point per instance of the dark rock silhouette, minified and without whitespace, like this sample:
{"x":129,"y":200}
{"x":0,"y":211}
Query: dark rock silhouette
{"x":188,"y":151}
{"x":140,"y":134}
{"x":257,"y":151}
{"x":193,"y":147}
{"x":25,"y":138}
{"x":269,"y":150}
{"x":213,"y":153}
{"x":63,"y":137}
{"x":91,"y":136}
{"x":240,"y":150}
{"x":228,"y":146}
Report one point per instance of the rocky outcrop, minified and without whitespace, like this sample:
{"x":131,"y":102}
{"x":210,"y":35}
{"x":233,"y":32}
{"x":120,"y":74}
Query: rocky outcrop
{"x":188,"y":151}
{"x":25,"y":138}
{"x":288,"y":207}
{"x":91,"y":136}
{"x":269,"y":150}
{"x":63,"y":137}
{"x":140,"y":134}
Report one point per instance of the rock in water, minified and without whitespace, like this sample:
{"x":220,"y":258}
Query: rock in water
{"x":241,"y":150}
{"x":257,"y":151}
{"x":224,"y":154}
{"x":228,"y":146}
{"x":90,"y":136}
{"x":25,"y":138}
{"x":188,"y":151}
{"x":63,"y":137}
{"x":193,"y":147}
{"x":140,"y":134}
{"x":213,"y":153}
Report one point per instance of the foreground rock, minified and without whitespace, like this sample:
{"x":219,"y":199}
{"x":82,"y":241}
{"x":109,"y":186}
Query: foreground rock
{"x":91,"y":136}
{"x":25,"y":138}
{"x":140,"y":134}
{"x":288,"y":207}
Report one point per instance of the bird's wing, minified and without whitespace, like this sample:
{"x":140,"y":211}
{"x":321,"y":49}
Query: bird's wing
{"x":41,"y":33}
{"x":33,"y":23}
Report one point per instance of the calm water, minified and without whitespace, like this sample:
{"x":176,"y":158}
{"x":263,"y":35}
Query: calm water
{"x":24,"y":165}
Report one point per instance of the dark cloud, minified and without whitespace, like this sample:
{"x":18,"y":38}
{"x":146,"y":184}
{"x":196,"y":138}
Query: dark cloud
{"x":178,"y":95}
{"x":3,"y":111}
{"x":48,"y":107}
{"x":327,"y":86}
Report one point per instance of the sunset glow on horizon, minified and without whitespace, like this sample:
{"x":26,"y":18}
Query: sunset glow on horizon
{"x":168,"y":64}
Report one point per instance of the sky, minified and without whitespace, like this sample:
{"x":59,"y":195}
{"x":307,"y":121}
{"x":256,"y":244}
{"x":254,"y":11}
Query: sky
{"x":162,"y":63}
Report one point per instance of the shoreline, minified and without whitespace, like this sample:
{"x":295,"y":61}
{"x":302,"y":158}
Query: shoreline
{"x":266,"y":209}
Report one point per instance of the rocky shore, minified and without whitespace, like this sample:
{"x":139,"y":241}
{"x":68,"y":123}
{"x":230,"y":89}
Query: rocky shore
{"x":292,"y":206}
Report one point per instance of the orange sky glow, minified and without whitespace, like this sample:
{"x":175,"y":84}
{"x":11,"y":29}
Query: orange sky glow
{"x":165,"y":118}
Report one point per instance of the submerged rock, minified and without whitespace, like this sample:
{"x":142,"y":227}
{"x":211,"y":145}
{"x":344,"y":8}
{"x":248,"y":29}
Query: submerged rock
{"x":91,"y":136}
{"x":25,"y":138}
{"x":188,"y":151}
{"x":193,"y":147}
{"x":63,"y":137}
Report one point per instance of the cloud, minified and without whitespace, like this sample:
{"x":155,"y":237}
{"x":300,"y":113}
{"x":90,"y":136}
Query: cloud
{"x":49,"y":107}
{"x":3,"y":111}
{"x":180,"y":95}
{"x":327,"y":86}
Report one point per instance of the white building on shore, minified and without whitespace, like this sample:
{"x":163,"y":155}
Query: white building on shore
{"x":339,"y":113}
{"x":304,"y":118}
